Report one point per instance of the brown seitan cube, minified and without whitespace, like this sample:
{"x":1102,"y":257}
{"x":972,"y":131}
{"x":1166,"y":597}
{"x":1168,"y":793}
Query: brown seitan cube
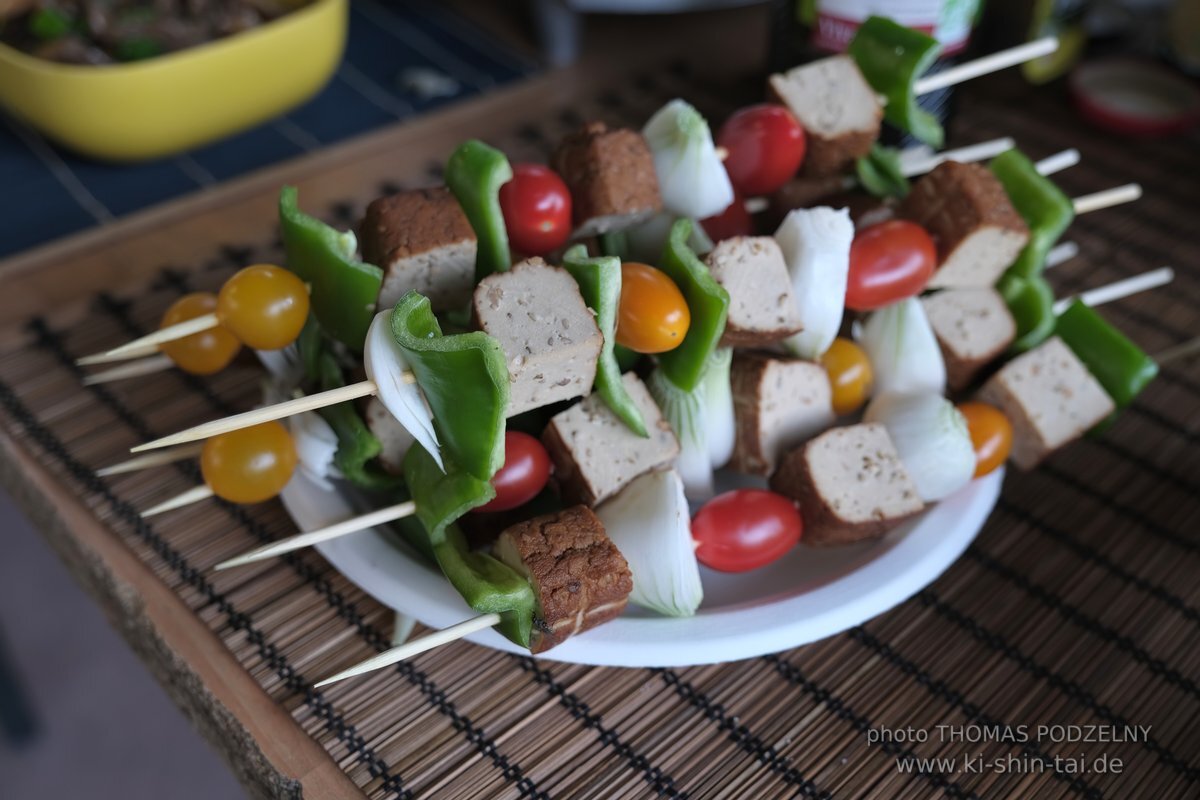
{"x":850,"y":484}
{"x":422,"y":241}
{"x":972,"y":326}
{"x":762,"y":309}
{"x":967,"y":212}
{"x":595,"y":454}
{"x":579,"y":578}
{"x":1049,"y":397}
{"x":779,"y":403}
{"x":611,"y":177}
{"x":549,"y":336}
{"x":838,"y":109}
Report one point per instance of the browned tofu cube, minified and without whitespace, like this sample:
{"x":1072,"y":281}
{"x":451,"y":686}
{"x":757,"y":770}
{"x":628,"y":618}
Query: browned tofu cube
{"x":579,"y":578}
{"x":611,"y":177}
{"x":973,"y":327}
{"x":967,"y":212}
{"x":1049,"y":397}
{"x":850,"y":484}
{"x":779,"y":403}
{"x":422,"y":241}
{"x":762,"y":309}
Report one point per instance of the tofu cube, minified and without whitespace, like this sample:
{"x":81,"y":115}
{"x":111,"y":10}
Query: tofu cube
{"x":1049,"y":397}
{"x":973,"y":327}
{"x":595,"y":454}
{"x":850,"y":484}
{"x":779,"y":403}
{"x":611,"y":177}
{"x":422,"y":241}
{"x":549,"y":336}
{"x":762,"y":309}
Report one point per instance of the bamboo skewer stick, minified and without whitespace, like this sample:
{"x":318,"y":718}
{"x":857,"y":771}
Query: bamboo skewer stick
{"x":104,"y":358}
{"x":156,"y":459}
{"x":193,"y":495}
{"x":169,"y":334}
{"x":919,"y":165}
{"x":1058,"y":162}
{"x":1119,"y":289}
{"x":1178,"y":352}
{"x":309,"y":538}
{"x":1107,"y":198}
{"x":994,"y":62}
{"x":1060,"y":253}
{"x":134,"y":369}
{"x":413,"y":647}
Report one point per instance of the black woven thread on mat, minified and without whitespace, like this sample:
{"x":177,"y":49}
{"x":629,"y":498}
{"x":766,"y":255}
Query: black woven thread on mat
{"x":792,"y":674}
{"x":239,"y":621}
{"x":1070,"y":688}
{"x":1088,"y":623}
{"x":344,"y":609}
{"x":741,"y":735}
{"x":1091,"y":555}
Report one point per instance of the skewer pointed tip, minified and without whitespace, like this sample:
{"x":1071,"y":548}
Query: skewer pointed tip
{"x":193,"y":495}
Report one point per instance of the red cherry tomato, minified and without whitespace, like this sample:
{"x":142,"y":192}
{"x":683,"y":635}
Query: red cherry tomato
{"x":733,"y":221}
{"x":524,"y":474}
{"x":766,"y":146}
{"x":745,"y":529}
{"x":889,"y":262}
{"x":537,"y":209}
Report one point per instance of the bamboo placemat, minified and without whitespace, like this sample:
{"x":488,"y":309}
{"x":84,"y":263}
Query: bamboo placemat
{"x":1077,"y":605}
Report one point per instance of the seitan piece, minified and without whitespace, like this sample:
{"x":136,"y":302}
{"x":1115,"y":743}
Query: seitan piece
{"x":779,"y":403}
{"x":762,"y":309}
{"x":422,"y":241}
{"x":967,"y":212}
{"x":579,"y":578}
{"x":973,"y":327}
{"x":611,"y":177}
{"x":595,"y":454}
{"x":850,"y":484}
{"x":1049,"y":397}
{"x":393,"y":437}
{"x":837,"y":107}
{"x":548,"y":334}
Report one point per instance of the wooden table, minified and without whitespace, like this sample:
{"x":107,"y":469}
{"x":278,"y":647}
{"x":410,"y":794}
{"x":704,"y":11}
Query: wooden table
{"x":1077,"y":605}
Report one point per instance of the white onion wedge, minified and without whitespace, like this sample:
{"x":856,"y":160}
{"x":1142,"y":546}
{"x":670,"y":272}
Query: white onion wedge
{"x":816,"y":247}
{"x":691,"y":178}
{"x":388,"y":368}
{"x":904,"y":353}
{"x":931,"y":438}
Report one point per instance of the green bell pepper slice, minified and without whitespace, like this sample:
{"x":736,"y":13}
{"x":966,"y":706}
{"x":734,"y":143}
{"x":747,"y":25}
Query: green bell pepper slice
{"x":1046,"y":210}
{"x":344,"y":289}
{"x":1121,"y":367}
{"x":488,"y":585}
{"x":475,"y":173}
{"x":357,"y":446}
{"x":891,"y":58}
{"x":599,"y":282}
{"x":614,"y":243}
{"x":1031,"y":302}
{"x":707,"y":301}
{"x":880,"y":174}
{"x":464,"y":378}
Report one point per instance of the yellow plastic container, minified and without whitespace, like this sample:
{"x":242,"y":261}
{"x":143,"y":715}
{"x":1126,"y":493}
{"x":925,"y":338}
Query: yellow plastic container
{"x":164,"y":105}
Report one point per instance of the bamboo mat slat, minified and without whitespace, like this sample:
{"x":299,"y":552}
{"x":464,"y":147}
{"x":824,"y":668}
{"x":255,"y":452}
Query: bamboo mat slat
{"x":1077,"y":605}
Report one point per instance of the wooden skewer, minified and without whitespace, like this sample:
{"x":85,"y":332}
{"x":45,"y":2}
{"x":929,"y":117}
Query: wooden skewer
{"x":104,"y":358}
{"x":1122,"y":288}
{"x":193,"y":495}
{"x":168,"y":334}
{"x":412,"y":648}
{"x":1058,"y":162}
{"x":1061,"y":252}
{"x":989,"y":63}
{"x":309,"y":538}
{"x":1178,"y":352}
{"x":919,"y":165}
{"x":1109,"y":197}
{"x":156,"y":459}
{"x":135,"y":369}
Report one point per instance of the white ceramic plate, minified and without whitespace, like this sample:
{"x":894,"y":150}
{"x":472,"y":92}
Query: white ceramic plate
{"x":807,"y":595}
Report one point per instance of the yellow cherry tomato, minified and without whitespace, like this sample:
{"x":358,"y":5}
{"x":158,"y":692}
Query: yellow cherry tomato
{"x":249,"y":465}
{"x":201,"y":353}
{"x":850,"y":375}
{"x":991,"y":434}
{"x":264,"y":306}
{"x":653,"y":316}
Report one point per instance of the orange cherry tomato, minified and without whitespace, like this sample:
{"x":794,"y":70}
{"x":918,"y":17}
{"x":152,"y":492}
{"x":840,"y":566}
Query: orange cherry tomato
{"x":991,"y":434}
{"x":264,"y":306}
{"x":653,"y":316}
{"x":850,"y":375}
{"x":249,"y":465}
{"x":201,"y":353}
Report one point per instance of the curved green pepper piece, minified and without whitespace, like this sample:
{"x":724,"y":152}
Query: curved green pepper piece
{"x":488,"y":586}
{"x":880,"y":174}
{"x":357,"y":446}
{"x":707,"y":301}
{"x":599,"y":282}
{"x":1121,"y":367}
{"x":891,"y":58}
{"x":1043,"y":206}
{"x":344,"y":289}
{"x":464,"y":378}
{"x":1031,"y":302}
{"x":475,"y":173}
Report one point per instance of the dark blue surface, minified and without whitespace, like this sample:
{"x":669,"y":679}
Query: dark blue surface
{"x":47,"y":192}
